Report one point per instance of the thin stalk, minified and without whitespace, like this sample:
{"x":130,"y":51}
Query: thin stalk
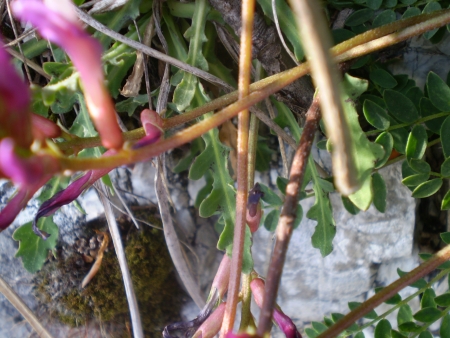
{"x":24,"y":310}
{"x":136,"y":323}
{"x":263,"y":89}
{"x":245,"y":63}
{"x":422,"y":270}
{"x":284,"y":228}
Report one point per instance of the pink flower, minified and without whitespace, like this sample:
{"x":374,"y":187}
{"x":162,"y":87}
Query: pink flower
{"x":44,"y":128}
{"x":152,"y":124}
{"x":283,"y":322}
{"x":57,"y":22}
{"x":212,"y":325}
{"x":14,"y":103}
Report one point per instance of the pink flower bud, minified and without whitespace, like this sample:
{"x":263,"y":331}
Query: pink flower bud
{"x":14,"y":103}
{"x":212,"y":325}
{"x":56,"y":21}
{"x":152,"y":124}
{"x":44,"y":128}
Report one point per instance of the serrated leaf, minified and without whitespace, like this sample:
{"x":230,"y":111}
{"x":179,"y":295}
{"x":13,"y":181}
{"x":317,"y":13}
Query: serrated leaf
{"x":443,"y":300}
{"x":445,"y":326}
{"x":383,"y":329}
{"x":287,"y":23}
{"x":205,"y":191}
{"x":184,"y":92}
{"x":402,"y":108}
{"x":417,"y":142}
{"x":404,"y":314}
{"x":445,"y":137}
{"x":270,"y":197}
{"x":33,"y":249}
{"x":379,"y":192}
{"x":271,"y":220}
{"x":428,"y":188}
{"x":386,"y":140}
{"x":321,"y":212}
{"x":376,"y":115}
{"x":428,"y":299}
{"x":427,"y":108}
{"x":129,"y":105}
{"x":359,"y":17}
{"x":82,"y":126}
{"x":445,"y":205}
{"x":117,"y":70}
{"x":428,"y":315}
{"x":438,"y":92}
{"x":445,"y":168}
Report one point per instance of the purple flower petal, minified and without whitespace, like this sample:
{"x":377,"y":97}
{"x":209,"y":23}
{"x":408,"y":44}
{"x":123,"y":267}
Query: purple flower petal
{"x":18,"y":202}
{"x":14,"y":103}
{"x":24,"y":171}
{"x":152,"y":124}
{"x":56,"y":21}
{"x":254,"y":196}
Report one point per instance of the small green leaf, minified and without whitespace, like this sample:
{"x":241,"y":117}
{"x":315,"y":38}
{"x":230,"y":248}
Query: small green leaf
{"x":319,"y":327}
{"x":415,"y":94}
{"x":271,"y":221}
{"x":379,"y":192}
{"x":298,"y":216}
{"x":428,"y":299}
{"x":33,"y":249}
{"x":417,"y":142}
{"x":376,"y":115}
{"x":311,"y":333}
{"x":326,"y":186}
{"x":383,"y":329}
{"x":197,"y":146}
{"x":404,"y":314}
{"x":445,"y":326}
{"x":438,"y":92}
{"x":446,"y":203}
{"x":360,"y":335}
{"x":364,"y":196}
{"x":383,"y":78}
{"x":400,"y":137}
{"x":349,"y":206}
{"x":386,"y":140}
{"x":428,"y":315}
{"x":359,"y":17}
{"x":443,"y":300}
{"x":415,"y":180}
{"x":411,"y":11}
{"x":371,"y":315}
{"x":409,"y":327}
{"x":445,"y":137}
{"x":428,"y":109}
{"x":428,"y":188}
{"x":374,"y":4}
{"x":396,"y":334}
{"x":419,"y":284}
{"x":402,"y":108}
{"x":340,"y":35}
{"x":286,"y":118}
{"x":282,"y":184}
{"x":426,"y":334}
{"x":445,"y":168}
{"x":445,"y":236}
{"x":431,"y":7}
{"x":419,"y":166}
{"x":384,"y":18}
{"x":270,"y":197}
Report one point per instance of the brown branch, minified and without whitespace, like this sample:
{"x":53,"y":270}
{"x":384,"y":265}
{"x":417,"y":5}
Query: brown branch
{"x":284,"y":228}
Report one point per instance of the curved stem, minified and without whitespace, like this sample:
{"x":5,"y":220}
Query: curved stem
{"x":422,"y":270}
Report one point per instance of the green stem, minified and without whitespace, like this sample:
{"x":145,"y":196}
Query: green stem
{"x":422,"y":270}
{"x":398,"y":126}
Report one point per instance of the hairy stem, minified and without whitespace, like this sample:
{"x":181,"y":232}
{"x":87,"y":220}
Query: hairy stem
{"x":284,"y":228}
{"x":245,"y":63}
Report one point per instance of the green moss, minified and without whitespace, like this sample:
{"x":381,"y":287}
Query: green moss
{"x":158,"y":293}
